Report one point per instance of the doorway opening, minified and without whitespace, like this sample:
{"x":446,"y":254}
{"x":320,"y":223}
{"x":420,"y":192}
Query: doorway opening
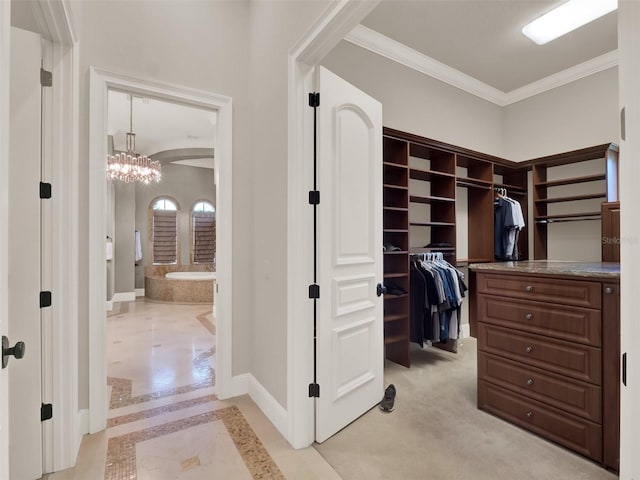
{"x":103,"y":83}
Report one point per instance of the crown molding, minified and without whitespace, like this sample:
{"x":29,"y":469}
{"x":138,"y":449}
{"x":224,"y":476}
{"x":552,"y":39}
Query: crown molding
{"x":382,"y":45}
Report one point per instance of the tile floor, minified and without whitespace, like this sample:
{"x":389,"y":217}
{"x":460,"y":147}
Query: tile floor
{"x":165,"y":421}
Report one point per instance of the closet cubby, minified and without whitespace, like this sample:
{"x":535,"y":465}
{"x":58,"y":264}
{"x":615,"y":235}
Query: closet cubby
{"x":560,"y":196}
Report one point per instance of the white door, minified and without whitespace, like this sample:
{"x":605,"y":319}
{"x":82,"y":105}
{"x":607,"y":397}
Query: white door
{"x":350,"y":348}
{"x":25,"y":428}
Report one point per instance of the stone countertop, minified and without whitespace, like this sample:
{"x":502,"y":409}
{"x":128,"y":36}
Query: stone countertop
{"x":553,"y":267}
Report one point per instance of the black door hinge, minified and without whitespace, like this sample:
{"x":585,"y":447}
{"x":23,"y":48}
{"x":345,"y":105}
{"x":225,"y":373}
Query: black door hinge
{"x":624,"y":369}
{"x":314,"y":99}
{"x":46,"y":78}
{"x":46,"y":412}
{"x":45,"y":190}
{"x":314,"y":197}
{"x":314,"y":390}
{"x":45,"y":299}
{"x":314,"y":291}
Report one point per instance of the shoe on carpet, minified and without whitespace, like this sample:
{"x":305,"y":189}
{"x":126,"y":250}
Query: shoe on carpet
{"x":387,"y":402}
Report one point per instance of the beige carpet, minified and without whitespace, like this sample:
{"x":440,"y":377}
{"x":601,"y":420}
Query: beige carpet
{"x":436,"y":432}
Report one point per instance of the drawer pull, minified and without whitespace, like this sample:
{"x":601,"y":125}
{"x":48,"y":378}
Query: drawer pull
{"x":528,"y":288}
{"x":529,"y":316}
{"x":608,"y":290}
{"x":528,"y":349}
{"x":529,"y":381}
{"x":529,"y":414}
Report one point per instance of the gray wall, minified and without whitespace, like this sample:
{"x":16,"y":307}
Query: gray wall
{"x":186,"y":185}
{"x":234,"y":48}
{"x":123,"y":238}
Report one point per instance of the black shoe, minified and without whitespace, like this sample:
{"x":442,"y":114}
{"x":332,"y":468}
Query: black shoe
{"x":386,"y":403}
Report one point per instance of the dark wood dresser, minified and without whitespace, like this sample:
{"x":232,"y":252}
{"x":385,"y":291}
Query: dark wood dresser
{"x":549,"y":350}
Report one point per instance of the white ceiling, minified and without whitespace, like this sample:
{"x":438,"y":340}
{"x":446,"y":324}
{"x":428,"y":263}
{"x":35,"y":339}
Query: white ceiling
{"x":483,"y":38}
{"x":160,"y":126}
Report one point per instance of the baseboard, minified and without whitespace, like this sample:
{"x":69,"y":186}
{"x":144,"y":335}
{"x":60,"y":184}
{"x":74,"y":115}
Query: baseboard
{"x":83,"y":422}
{"x":269,"y":406}
{"x":465,"y":330}
{"x":139,"y":292}
{"x":247,"y":384}
{"x":109,"y":305}
{"x":124,"y":297}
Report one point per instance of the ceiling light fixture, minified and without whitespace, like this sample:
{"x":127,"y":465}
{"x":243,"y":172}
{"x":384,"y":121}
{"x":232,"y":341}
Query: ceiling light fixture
{"x":567,"y":17}
{"x":131,"y":166}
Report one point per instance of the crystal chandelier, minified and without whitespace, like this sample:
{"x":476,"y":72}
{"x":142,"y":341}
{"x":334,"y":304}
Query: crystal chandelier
{"x":131,"y":166}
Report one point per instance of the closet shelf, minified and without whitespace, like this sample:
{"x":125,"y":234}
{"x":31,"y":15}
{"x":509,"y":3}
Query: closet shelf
{"x":388,"y":296}
{"x":473,"y":182}
{"x":395,"y":165}
{"x":395,"y":209}
{"x":430,"y":199}
{"x":395,"y":187}
{"x":567,"y":216}
{"x":431,"y":249}
{"x":511,"y":188}
{"x":572,"y":198}
{"x":428,"y":175}
{"x":400,"y":337}
{"x":397,"y":252}
{"x":571,"y":181}
{"x":396,"y":275}
{"x":395,"y":230}
{"x":394,"y":317}
{"x":432,"y":224}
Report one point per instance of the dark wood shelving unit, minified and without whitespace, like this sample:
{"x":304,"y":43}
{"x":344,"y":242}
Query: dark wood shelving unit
{"x":542,"y":198}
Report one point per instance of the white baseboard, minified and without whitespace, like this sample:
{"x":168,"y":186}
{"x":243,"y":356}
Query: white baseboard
{"x":109,"y":305}
{"x":139,"y":292}
{"x":247,"y":384}
{"x":83,"y":422}
{"x":124,"y":297}
{"x":465,"y":330}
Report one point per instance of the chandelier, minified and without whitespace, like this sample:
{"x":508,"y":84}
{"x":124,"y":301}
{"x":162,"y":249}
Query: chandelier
{"x":131,"y":166}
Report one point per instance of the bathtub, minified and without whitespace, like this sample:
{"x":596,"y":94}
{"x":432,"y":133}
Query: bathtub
{"x":179,"y":287}
{"x":191,"y":275}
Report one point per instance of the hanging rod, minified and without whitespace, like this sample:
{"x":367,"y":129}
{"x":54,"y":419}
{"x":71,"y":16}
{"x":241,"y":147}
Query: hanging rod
{"x":573,"y":219}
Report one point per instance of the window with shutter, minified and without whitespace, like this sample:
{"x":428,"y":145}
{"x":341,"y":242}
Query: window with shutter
{"x":203,"y":221}
{"x":165,"y":231}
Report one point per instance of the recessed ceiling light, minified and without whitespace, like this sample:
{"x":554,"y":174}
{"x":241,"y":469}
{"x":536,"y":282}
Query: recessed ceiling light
{"x":567,"y":17}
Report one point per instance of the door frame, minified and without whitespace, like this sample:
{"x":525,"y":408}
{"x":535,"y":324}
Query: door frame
{"x":63,"y":433}
{"x":336,"y":22}
{"x":100,"y":82}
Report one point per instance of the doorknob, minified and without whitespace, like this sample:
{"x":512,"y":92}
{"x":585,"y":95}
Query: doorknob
{"x":17,"y":351}
{"x":381,"y":289}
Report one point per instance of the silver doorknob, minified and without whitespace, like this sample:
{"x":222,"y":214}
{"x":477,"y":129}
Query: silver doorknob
{"x":529,"y":316}
{"x":529,"y":288}
{"x":528,"y":349}
{"x":608,"y":290}
{"x":17,"y":351}
{"x":529,"y":381}
{"x":529,"y":414}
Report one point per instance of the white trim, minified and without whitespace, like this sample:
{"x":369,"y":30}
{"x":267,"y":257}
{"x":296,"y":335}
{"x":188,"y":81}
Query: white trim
{"x":5,"y":61}
{"x":100,"y":82}
{"x":109,"y":306}
{"x":139,"y":292}
{"x":339,"y":18}
{"x":465,"y":330}
{"x":239,"y":385}
{"x":382,"y":45}
{"x":269,"y":405}
{"x":83,"y":423}
{"x":124,"y":297}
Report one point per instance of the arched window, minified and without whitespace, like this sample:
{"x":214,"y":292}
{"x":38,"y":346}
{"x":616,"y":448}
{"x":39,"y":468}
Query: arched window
{"x":165,"y":231}
{"x":203,"y":232}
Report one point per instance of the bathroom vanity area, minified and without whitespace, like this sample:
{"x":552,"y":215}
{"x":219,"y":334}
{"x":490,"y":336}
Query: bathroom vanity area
{"x":549,"y":350}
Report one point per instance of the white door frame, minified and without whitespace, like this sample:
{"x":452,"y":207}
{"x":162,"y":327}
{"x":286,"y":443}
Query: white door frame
{"x":62,"y":434}
{"x":337,"y":21}
{"x":100,"y":82}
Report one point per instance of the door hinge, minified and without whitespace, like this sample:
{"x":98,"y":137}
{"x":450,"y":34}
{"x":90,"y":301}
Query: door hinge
{"x":45,"y":299}
{"x":623,"y":126}
{"x":314,"y":99}
{"x":46,"y":78}
{"x":45,"y":190}
{"x":624,"y":369}
{"x":314,"y":390}
{"x":314,"y":291}
{"x":46,"y":412}
{"x":314,"y":197}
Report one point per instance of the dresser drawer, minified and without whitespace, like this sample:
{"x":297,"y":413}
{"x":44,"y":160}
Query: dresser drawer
{"x":580,"y":398}
{"x":576,"y":433}
{"x":574,"y":324}
{"x":549,"y":290}
{"x":572,"y":359}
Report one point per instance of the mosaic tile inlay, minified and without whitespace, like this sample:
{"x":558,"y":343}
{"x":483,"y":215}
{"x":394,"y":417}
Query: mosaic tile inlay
{"x":154,"y":412}
{"x":121,"y":391}
{"x":121,"y":450}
